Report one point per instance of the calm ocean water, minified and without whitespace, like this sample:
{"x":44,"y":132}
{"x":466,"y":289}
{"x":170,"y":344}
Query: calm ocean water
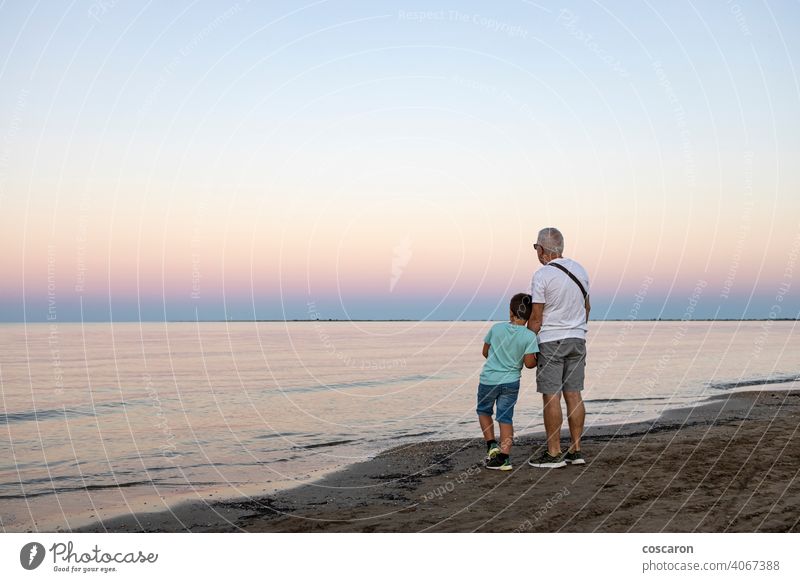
{"x":102,"y":419}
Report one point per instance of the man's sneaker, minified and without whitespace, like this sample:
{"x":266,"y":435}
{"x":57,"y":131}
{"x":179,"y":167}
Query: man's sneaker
{"x":497,"y":463}
{"x":575,"y":458}
{"x":547,"y":461}
{"x":492,"y":452}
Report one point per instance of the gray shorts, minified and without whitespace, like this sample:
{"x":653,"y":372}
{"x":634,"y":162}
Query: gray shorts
{"x":561,"y":366}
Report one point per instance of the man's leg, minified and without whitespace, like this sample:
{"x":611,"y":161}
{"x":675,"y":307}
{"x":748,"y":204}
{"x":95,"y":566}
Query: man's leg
{"x":552,"y":422}
{"x":573,"y":378}
{"x":576,"y":414}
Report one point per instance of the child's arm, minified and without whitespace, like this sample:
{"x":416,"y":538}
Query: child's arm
{"x":485,"y":350}
{"x":529,"y":360}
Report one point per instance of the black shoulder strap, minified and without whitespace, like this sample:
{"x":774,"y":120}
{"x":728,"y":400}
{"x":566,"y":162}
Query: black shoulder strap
{"x":571,"y":276}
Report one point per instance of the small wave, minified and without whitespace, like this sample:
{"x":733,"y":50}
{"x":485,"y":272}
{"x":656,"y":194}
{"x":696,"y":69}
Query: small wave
{"x":783,"y":379}
{"x":611,"y":400}
{"x":52,"y":413}
{"x":419,"y":434}
{"x":57,"y":490}
{"x":328,"y":444}
{"x":281,"y":435}
{"x":360,"y":383}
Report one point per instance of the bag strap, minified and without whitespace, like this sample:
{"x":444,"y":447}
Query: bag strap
{"x":571,"y":276}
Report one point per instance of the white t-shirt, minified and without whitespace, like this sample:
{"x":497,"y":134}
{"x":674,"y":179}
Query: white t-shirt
{"x":564,"y":307}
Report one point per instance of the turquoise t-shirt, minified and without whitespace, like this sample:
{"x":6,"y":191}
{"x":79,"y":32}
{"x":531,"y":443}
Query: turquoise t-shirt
{"x":509,"y":343}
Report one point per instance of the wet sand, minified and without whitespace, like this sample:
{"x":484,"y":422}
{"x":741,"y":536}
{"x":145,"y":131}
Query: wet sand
{"x":730,"y":465}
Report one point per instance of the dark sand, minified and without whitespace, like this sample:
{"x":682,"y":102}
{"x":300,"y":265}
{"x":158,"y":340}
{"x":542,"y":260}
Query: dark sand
{"x":728,"y":466}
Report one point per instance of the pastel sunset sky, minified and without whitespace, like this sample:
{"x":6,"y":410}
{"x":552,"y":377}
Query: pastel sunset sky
{"x":380,"y":160}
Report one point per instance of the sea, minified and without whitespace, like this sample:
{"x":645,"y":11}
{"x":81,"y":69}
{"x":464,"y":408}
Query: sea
{"x":105,"y":419}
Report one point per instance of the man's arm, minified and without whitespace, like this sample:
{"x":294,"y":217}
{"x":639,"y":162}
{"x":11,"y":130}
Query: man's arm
{"x":485,"y":350}
{"x":588,"y":308}
{"x":529,"y":360}
{"x":535,"y":322}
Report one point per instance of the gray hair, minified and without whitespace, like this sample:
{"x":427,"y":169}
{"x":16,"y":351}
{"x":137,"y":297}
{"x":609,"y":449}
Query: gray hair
{"x":551,"y":239}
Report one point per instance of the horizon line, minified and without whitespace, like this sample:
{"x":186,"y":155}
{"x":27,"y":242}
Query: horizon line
{"x":334,"y":320}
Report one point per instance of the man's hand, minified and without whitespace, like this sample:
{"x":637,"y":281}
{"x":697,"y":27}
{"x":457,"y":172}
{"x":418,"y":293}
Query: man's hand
{"x":485,"y":350}
{"x":529,"y":360}
{"x":535,"y":322}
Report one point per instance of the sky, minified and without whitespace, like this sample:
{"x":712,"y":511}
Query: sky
{"x":390,"y":160}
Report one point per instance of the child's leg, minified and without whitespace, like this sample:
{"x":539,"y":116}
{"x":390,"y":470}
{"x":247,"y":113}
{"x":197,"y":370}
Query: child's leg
{"x":505,"y":415}
{"x":506,"y":437}
{"x":487,"y":427}
{"x":486,"y":399}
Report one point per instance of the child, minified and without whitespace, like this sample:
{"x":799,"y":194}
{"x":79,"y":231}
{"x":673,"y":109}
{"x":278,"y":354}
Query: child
{"x":507,"y":346}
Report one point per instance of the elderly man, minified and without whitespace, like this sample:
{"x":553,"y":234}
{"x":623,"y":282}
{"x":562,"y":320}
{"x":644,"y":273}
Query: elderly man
{"x":560,"y":291}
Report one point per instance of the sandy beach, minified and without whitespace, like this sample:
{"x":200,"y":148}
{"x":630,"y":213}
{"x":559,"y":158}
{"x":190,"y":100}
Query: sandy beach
{"x":730,"y":465}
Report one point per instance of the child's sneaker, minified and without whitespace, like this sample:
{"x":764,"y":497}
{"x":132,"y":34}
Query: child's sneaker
{"x":499,"y":463}
{"x":492,"y":450}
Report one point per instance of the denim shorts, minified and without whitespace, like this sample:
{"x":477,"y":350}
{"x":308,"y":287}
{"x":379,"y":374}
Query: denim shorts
{"x":505,"y":395}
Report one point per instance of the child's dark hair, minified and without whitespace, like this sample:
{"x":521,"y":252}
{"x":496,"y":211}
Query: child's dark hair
{"x":521,"y":306}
